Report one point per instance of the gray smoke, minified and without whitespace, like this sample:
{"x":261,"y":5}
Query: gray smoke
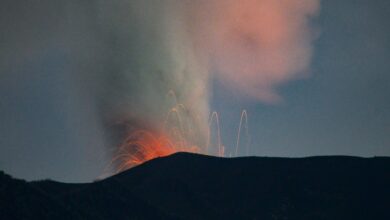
{"x":124,"y":56}
{"x":146,"y":54}
{"x":121,"y":57}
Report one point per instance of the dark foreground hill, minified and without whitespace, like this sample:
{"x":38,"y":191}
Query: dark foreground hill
{"x":189,"y":186}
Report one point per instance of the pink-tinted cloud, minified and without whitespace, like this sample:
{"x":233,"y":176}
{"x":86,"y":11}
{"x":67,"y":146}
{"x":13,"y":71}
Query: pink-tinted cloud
{"x":255,"y":45}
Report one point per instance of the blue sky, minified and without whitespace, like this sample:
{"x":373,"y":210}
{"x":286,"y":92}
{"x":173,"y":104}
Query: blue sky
{"x":343,"y":106}
{"x":48,"y":128}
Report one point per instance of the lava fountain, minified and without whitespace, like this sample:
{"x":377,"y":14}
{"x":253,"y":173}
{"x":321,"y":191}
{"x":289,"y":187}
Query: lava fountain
{"x":143,"y":145}
{"x":251,"y":46}
{"x":177,"y":135}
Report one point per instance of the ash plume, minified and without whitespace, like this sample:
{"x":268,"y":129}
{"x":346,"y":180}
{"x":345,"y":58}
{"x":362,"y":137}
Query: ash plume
{"x":147,"y":54}
{"x":125,"y":56}
{"x":255,"y":46}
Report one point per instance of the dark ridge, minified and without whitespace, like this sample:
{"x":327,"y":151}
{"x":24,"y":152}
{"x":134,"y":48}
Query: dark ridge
{"x":194,"y":186}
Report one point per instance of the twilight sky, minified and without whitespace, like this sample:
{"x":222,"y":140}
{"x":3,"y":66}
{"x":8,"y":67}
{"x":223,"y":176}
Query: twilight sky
{"x":58,"y":62}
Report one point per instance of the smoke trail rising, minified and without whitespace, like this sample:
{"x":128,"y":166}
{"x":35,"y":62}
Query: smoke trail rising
{"x":125,"y":56}
{"x":251,"y":45}
{"x":150,"y":55}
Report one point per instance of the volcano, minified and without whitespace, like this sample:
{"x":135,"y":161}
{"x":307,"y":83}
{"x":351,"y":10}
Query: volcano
{"x":192,"y":186}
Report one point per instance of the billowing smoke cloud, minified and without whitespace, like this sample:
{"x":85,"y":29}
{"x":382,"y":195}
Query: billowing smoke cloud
{"x":147,"y":53}
{"x":251,"y":45}
{"x":256,"y":45}
{"x":124,"y":56}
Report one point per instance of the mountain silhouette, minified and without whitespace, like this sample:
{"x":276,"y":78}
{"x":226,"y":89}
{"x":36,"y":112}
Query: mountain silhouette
{"x":192,"y":186}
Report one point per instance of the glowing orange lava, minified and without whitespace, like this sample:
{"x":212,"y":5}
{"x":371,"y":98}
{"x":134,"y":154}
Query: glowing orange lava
{"x":142,"y":145}
{"x":178,"y":134}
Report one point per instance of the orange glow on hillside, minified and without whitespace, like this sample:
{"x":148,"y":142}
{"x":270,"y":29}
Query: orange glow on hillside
{"x":178,"y":133}
{"x":141,"y":146}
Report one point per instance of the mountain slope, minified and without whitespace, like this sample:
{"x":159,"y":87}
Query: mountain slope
{"x":190,"y":186}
